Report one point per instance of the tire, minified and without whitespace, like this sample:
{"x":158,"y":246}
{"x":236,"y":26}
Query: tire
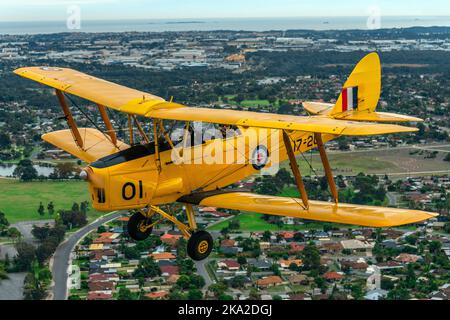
{"x":133,"y":227}
{"x":200,"y":245}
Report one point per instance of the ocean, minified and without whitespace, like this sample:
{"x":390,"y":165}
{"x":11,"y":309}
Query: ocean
{"x":244,"y":24}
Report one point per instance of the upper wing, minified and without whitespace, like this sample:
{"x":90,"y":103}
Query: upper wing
{"x":140,"y":103}
{"x":276,"y":121}
{"x":90,"y":88}
{"x":97,"y":145}
{"x":367,"y":216}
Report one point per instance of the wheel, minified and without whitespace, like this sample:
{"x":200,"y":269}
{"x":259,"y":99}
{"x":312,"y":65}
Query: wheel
{"x":137,"y":227}
{"x":200,"y":245}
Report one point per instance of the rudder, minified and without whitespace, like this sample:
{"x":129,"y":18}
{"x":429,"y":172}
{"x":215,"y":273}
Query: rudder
{"x":362,"y":89}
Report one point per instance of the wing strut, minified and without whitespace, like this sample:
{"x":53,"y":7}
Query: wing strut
{"x":295,"y":170}
{"x":69,"y":118}
{"x":326,"y":166}
{"x":109,"y":128}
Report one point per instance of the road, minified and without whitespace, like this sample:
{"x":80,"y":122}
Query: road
{"x":392,"y":199}
{"x":201,"y":270}
{"x":61,"y":258}
{"x":25,"y":228}
{"x":429,"y":147}
{"x":413,"y":173}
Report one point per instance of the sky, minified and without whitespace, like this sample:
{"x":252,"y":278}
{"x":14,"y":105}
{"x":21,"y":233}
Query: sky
{"x":46,"y":10}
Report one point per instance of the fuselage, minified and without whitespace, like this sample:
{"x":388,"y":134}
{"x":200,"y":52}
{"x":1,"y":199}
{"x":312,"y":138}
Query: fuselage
{"x":140,"y":175}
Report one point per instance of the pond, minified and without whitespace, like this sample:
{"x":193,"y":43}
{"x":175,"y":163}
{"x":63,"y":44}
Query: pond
{"x":6,"y":170}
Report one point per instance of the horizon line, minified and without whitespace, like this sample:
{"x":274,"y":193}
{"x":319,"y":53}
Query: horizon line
{"x":209,"y":18}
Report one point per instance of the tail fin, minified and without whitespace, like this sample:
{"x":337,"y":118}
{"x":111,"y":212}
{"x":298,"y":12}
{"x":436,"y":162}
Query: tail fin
{"x":362,"y":89}
{"x":359,"y":97}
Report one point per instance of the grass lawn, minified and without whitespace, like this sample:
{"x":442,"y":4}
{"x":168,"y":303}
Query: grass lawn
{"x":20,"y":200}
{"x":346,"y":164}
{"x":250,"y":221}
{"x":255,"y":103}
{"x":251,"y":103}
{"x":253,"y":222}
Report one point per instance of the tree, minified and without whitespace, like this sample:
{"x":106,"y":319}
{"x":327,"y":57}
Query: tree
{"x":40,"y":233}
{"x":218,"y":289}
{"x":242,"y":260}
{"x":5,"y":140}
{"x":73,"y":219}
{"x":400,"y":292}
{"x":131,"y":253}
{"x":186,"y":266}
{"x":41,"y":209}
{"x":64,"y":170}
{"x":3,"y":221}
{"x":195,"y":294}
{"x":276,"y":269}
{"x":84,"y":207}
{"x":311,"y":257}
{"x":45,"y":250}
{"x":181,"y":248}
{"x":14,"y":233}
{"x":447,"y":226}
{"x":435,"y":246}
{"x":35,"y":283}
{"x":197,"y":281}
{"x":25,"y":255}
{"x":58,"y":232}
{"x":125,"y":294}
{"x":25,"y":170}
{"x":234,"y":224}
{"x":254,"y":295}
{"x":266,"y":235}
{"x":410,"y":279}
{"x":75,"y":207}
{"x":239,"y":98}
{"x":343,"y":145}
{"x":184,"y":282}
{"x":51,"y":208}
{"x":147,"y":268}
{"x":357,"y":291}
{"x":237,"y":282}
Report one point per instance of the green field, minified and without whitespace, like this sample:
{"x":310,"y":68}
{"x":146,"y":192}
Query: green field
{"x":345,"y":164}
{"x":373,"y":162}
{"x":255,"y":103}
{"x":20,"y":200}
{"x":252,"y":103}
{"x":253,"y":222}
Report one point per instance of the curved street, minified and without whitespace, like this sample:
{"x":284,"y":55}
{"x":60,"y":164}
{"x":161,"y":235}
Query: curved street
{"x":61,"y":258}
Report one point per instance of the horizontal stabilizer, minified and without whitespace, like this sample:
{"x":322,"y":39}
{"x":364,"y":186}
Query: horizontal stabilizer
{"x":96,"y":144}
{"x":317,"y":108}
{"x":376,"y":117}
{"x":367,"y":216}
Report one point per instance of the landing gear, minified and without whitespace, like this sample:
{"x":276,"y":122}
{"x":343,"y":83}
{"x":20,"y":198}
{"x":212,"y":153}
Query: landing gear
{"x":200,"y":245}
{"x":139,"y":227}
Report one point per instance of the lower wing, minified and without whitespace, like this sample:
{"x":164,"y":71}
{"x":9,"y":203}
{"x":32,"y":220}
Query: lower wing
{"x":367,"y":216}
{"x":96,"y":144}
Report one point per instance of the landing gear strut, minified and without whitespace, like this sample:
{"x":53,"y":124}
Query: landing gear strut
{"x":200,"y":243}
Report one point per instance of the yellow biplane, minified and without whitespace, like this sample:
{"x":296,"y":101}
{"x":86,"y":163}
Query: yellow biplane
{"x":142,"y":176}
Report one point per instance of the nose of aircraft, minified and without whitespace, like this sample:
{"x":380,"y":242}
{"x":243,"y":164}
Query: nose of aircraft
{"x":95,"y":177}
